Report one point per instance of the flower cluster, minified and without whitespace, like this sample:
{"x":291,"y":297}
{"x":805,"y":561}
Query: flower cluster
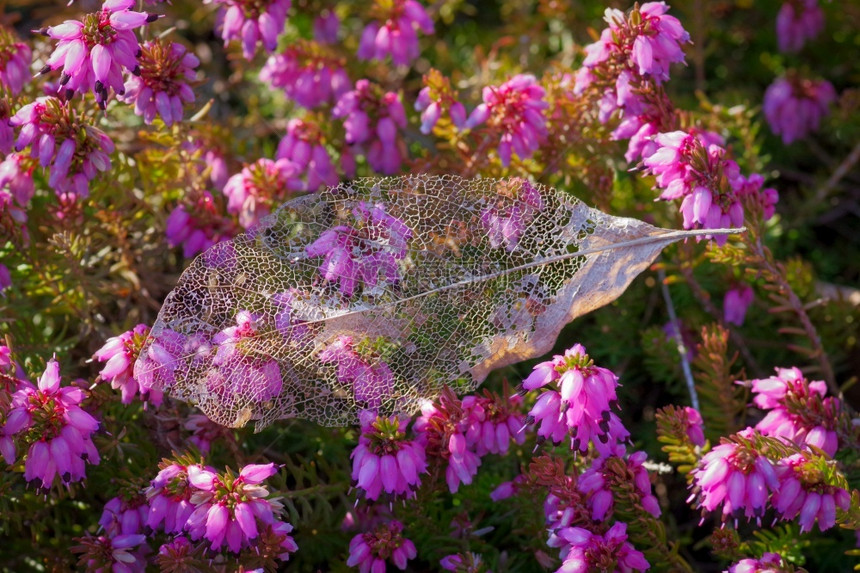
{"x":515,"y":110}
{"x":615,"y":472}
{"x":506,"y":221}
{"x":118,"y":554}
{"x":736,"y":303}
{"x":369,"y":551}
{"x":58,"y":433}
{"x":372,"y":118}
{"x":385,"y":460}
{"x":357,"y":255}
{"x":163,"y":85}
{"x":73,"y":150}
{"x":360,"y":368}
{"x":804,"y":493}
{"x":797,"y":22}
{"x":303,"y":145}
{"x":95,"y":52}
{"x":251,"y":22}
{"x":623,"y":69}
{"x":16,"y":190}
{"x":798,"y":410}
{"x":260,"y":185}
{"x":580,"y":407}
{"x":768,"y":563}
{"x":584,"y":551}
{"x":15,"y":60}
{"x":436,"y":98}
{"x":308,"y":73}
{"x":119,"y":354}
{"x":691,"y":167}
{"x":197,"y":226}
{"x":794,"y":106}
{"x":394,"y":31}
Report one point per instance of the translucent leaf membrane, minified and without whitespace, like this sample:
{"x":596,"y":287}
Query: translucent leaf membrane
{"x":377,"y":293}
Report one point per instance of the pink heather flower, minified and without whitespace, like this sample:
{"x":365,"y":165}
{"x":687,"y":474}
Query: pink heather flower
{"x":125,"y":515}
{"x":251,"y":22}
{"x":769,"y":563}
{"x":794,"y":106}
{"x":505,"y":221}
{"x":357,"y":255}
{"x":169,"y":498}
{"x":310,"y":74}
{"x":240,"y":374}
{"x":694,"y":426}
{"x":584,"y":551}
{"x":116,"y":554}
{"x":326,"y":25}
{"x":95,"y":52}
{"x":464,"y":563}
{"x":73,"y":151}
{"x":16,"y":180}
{"x":251,"y":193}
{"x":61,"y":432}
{"x":736,"y":475}
{"x":385,"y":460}
{"x":437,"y":98}
{"x":444,"y":427}
{"x":492,"y":422}
{"x":804,"y":494}
{"x":581,"y":405}
{"x":156,"y":366}
{"x":119,"y":353}
{"x":504,"y":490}
{"x":162,"y":87}
{"x":736,"y":303}
{"x":608,"y":470}
{"x":690,"y":168}
{"x":232,"y":510}
{"x":369,"y":551}
{"x":394,"y":32}
{"x":15,"y":59}
{"x":303,"y":145}
{"x":371,"y":120}
{"x":750,"y":189}
{"x":798,"y":410}
{"x":197,"y":226}
{"x":515,"y":110}
{"x":797,"y":22}
{"x":367,"y":374}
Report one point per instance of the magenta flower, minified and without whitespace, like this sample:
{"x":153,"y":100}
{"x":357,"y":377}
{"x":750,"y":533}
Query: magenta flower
{"x":798,"y":410}
{"x":310,"y":74}
{"x":769,"y":563}
{"x":124,"y":515}
{"x":735,"y":475}
{"x":116,"y":554}
{"x":366,"y":374}
{"x":606,"y":470}
{"x":693,"y":424}
{"x":169,"y":498}
{"x":15,"y":59}
{"x":95,"y":52}
{"x":73,"y":151}
{"x":119,"y":353}
{"x":444,"y":427}
{"x":506,"y":221}
{"x":303,"y":145}
{"x":370,"y":551}
{"x":794,"y":106}
{"x":197,"y":226}
{"x":326,"y":26}
{"x":358,"y":255}
{"x":798,"y":21}
{"x":162,"y":86}
{"x":584,"y":551}
{"x":371,"y":120}
{"x":59,"y":433}
{"x":515,"y":110}
{"x":16,"y":180}
{"x":394,"y":32}
{"x":736,"y":303}
{"x":251,"y":22}
{"x":492,"y":422}
{"x":251,"y":193}
{"x":385,"y":460}
{"x":155,"y":368}
{"x":431,"y":109}
{"x":232,"y":510}
{"x":581,"y":405}
{"x":805,"y":495}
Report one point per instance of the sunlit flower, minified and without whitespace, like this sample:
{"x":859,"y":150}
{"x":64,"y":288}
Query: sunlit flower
{"x":393,"y":32}
{"x":584,"y":551}
{"x":119,"y":354}
{"x":385,"y":460}
{"x":260,"y":185}
{"x":15,"y":58}
{"x":804,"y":494}
{"x":162,"y":86}
{"x":310,"y":74}
{"x":366,"y":373}
{"x":251,"y":22}
{"x":303,"y":146}
{"x":794,"y":106}
{"x":370,"y":551}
